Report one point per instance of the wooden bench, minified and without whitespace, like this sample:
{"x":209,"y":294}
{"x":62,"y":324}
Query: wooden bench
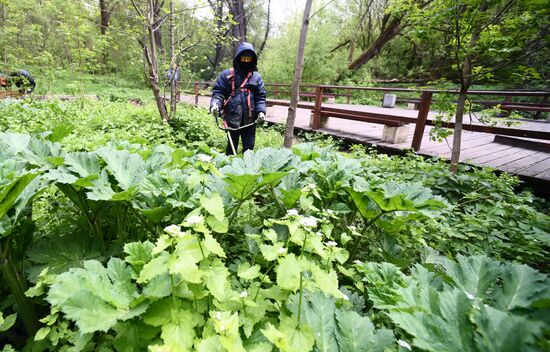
{"x":396,"y":129}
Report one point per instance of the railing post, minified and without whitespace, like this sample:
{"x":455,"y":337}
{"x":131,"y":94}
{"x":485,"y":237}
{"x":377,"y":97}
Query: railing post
{"x":316,"y":121}
{"x":423,"y":110}
{"x":196,"y":93}
{"x":275,"y":91}
{"x":543,"y":101}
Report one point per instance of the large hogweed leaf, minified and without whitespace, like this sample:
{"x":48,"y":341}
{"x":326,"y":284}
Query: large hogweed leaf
{"x":458,"y":309}
{"x":339,"y":329}
{"x":96,"y":297}
{"x":128,"y":169}
{"x":263,"y":161}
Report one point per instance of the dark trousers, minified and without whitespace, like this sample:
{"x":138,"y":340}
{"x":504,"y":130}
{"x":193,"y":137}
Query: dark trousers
{"x":248,"y":136}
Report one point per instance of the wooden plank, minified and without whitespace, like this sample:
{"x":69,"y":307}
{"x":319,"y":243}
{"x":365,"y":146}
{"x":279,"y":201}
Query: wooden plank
{"x":509,"y":158}
{"x":523,"y":143}
{"x":494,"y":154}
{"x":545,"y":175}
{"x":482,"y":150}
{"x":518,"y":165}
{"x":537,"y":167}
{"x":475,"y":142}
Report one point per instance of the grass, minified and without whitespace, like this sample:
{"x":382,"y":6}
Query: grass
{"x":114,"y":116}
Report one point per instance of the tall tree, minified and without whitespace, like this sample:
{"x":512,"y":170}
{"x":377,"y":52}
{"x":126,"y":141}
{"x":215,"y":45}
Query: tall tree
{"x":267,"y":28}
{"x":219,"y":36}
{"x":149,"y":46}
{"x":298,"y":70}
{"x":477,"y":29}
{"x":105,"y":11}
{"x":236,"y":10}
{"x":174,"y":66}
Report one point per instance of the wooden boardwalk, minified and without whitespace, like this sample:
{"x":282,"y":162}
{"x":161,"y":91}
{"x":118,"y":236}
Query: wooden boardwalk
{"x":478,"y":149}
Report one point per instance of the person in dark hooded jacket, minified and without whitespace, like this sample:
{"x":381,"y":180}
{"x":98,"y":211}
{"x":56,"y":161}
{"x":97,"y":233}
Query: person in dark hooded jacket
{"x":22,"y":79}
{"x":240,"y":95}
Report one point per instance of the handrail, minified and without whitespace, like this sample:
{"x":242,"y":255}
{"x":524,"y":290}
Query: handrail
{"x":517,"y":93}
{"x":424,"y":107}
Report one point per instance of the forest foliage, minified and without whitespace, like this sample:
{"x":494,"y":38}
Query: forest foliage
{"x":512,"y":51}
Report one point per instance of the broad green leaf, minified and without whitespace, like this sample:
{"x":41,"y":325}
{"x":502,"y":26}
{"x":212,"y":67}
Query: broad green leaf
{"x":213,"y":205}
{"x":209,"y":344}
{"x":213,"y":246}
{"x":217,"y":281}
{"x":271,"y":253}
{"x":138,"y":253}
{"x":7,"y":322}
{"x":290,"y":337}
{"x":178,"y":337}
{"x":247,"y":272}
{"x":474,"y":275}
{"x":153,"y":268}
{"x":356,"y":334}
{"x":364,"y":204}
{"x":521,"y":286}
{"x":101,"y":188}
{"x":15,"y":142}
{"x":318,"y":312}
{"x":439,"y":322}
{"x":128,"y":169}
{"x":326,"y":281}
{"x":60,"y":131}
{"x":82,"y":163}
{"x":288,"y":273}
{"x":91,"y":313}
{"x":241,"y":186}
{"x":504,"y":332}
{"x":10,"y":192}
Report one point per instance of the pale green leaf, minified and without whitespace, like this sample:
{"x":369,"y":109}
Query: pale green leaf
{"x":288,"y":273}
{"x":213,"y":246}
{"x":247,"y":272}
{"x":213,"y":205}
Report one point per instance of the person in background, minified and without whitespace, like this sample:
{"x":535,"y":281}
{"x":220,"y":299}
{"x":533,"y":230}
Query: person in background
{"x":22,"y":79}
{"x":239,"y":94}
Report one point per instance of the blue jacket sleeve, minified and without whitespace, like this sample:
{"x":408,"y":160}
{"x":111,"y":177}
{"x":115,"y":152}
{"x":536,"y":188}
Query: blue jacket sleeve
{"x":221,"y":90}
{"x":260,"y":96}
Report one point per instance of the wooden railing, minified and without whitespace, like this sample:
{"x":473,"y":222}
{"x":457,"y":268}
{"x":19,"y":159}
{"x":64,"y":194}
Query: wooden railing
{"x":424,"y":103}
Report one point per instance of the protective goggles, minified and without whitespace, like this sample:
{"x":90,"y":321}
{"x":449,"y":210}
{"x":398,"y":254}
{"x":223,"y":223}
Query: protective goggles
{"x":246,"y":58}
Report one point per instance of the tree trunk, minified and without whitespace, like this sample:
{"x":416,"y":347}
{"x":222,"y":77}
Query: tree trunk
{"x":393,"y":28}
{"x":157,"y":7}
{"x":174,"y":81}
{"x":298,"y":69}
{"x":267,"y":28}
{"x":217,"y":8}
{"x":465,"y":83}
{"x":457,"y":134}
{"x":150,"y":55}
{"x":105,"y":15}
{"x":4,"y":15}
{"x":236,"y":9}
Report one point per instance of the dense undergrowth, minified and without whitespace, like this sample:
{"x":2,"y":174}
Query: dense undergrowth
{"x":135,"y":235}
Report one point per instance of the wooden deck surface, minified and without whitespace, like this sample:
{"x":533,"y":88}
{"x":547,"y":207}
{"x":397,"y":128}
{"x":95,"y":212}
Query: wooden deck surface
{"x":477,"y":148}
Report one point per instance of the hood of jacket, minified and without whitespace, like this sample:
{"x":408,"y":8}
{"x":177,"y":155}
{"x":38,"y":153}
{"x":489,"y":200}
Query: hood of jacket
{"x":244,"y":46}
